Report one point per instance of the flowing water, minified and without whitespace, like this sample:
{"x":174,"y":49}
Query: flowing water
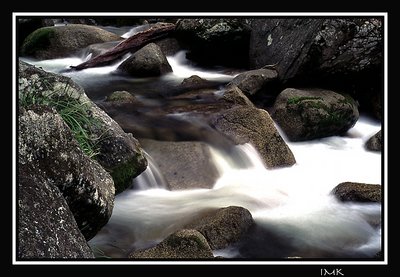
{"x":294,"y":212}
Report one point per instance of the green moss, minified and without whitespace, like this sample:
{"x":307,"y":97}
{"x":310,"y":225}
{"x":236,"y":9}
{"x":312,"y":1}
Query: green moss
{"x":38,"y":40}
{"x":123,"y":174}
{"x":120,"y":96}
{"x":347,"y":100}
{"x":298,"y":99}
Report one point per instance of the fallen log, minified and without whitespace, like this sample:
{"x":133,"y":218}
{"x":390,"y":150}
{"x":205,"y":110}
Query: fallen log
{"x":131,"y":44}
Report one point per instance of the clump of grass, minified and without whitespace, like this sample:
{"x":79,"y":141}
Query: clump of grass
{"x":75,"y":113}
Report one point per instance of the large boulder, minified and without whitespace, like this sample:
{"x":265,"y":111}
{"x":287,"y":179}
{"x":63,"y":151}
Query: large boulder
{"x":46,"y":226}
{"x":169,"y":45}
{"x":184,"y":164}
{"x":280,"y":42}
{"x":357,"y":192}
{"x":62,"y":41}
{"x":254,"y":81}
{"x":184,"y":244}
{"x":149,"y":61}
{"x":118,"y":152}
{"x":374,"y":143}
{"x":317,"y":44}
{"x":314,"y":113}
{"x":224,"y":226}
{"x":338,"y":53}
{"x":244,"y":124}
{"x":215,"y":41}
{"x":48,"y":146}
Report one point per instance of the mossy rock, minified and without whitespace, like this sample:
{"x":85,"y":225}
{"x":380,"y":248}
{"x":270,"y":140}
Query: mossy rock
{"x":123,"y":173}
{"x":314,"y":113}
{"x":62,"y":41}
{"x":121,"y":96}
{"x":37,"y":41}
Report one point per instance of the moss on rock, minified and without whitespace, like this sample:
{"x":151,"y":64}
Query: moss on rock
{"x":314,"y":113}
{"x":37,"y":40}
{"x":123,"y":174}
{"x":121,"y":96}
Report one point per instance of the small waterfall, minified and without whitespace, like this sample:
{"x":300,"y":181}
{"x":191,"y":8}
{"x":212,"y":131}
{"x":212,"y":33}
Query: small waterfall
{"x":136,"y":30}
{"x":151,"y":178}
{"x":182,"y":68}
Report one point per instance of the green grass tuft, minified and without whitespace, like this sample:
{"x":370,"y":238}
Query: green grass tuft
{"x":75,"y":113}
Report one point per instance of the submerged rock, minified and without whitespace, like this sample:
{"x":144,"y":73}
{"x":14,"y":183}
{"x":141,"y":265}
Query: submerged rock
{"x":224,"y":226}
{"x":62,"y":41}
{"x":121,"y":96}
{"x":147,"y":62}
{"x":358,"y":192}
{"x":183,"y":244}
{"x":314,"y":113}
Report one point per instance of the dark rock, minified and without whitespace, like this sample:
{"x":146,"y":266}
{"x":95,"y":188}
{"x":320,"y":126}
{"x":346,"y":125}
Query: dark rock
{"x":119,"y":152}
{"x":246,"y":124}
{"x":99,"y":48}
{"x":374,"y":143}
{"x":223,"y":226}
{"x":147,"y":62}
{"x":253,"y":81}
{"x":193,"y":84}
{"x":282,"y":42}
{"x":331,"y":45}
{"x":169,"y":46}
{"x":344,"y":54}
{"x":48,"y":146}
{"x":119,"y":21}
{"x":194,"y":81}
{"x":358,"y":192}
{"x":184,"y":164}
{"x":314,"y":113}
{"x":46,"y":226}
{"x":215,"y":41}
{"x":62,"y":41}
{"x":184,"y":244}
{"x":85,"y":21}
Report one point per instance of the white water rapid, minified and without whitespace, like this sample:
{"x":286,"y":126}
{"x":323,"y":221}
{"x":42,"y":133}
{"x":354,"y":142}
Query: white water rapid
{"x":292,"y":202}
